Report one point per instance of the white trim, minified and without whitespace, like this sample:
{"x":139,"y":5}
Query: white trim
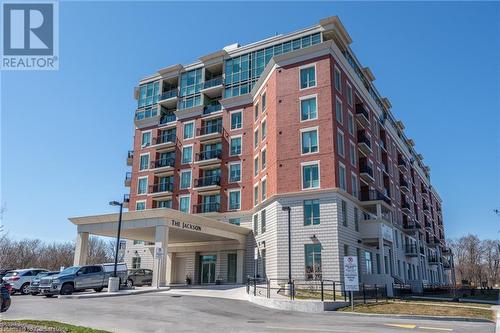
{"x":311,"y":96}
{"x":309,"y":129}
{"x":147,"y":185}
{"x":339,"y":131}
{"x":190,"y":179}
{"x":337,"y":99}
{"x":256,"y":130}
{"x":352,"y":144}
{"x":229,"y":199}
{"x":263,"y":110}
{"x":315,"y":75}
{"x":308,"y":163}
{"x":184,"y":129}
{"x":150,"y":138}
{"x":337,"y":70}
{"x":350,"y":115}
{"x":230,"y":119}
{"x":141,"y":201}
{"x":262,"y":168}
{"x":353,"y":174}
{"x":255,"y":202}
{"x":182,"y":153}
{"x":149,"y":162}
{"x":341,"y":165}
{"x":347,"y":94}
{"x":241,"y":144}
{"x":256,"y":171}
{"x":263,"y":180}
{"x":262,"y":121}
{"x":189,"y":205}
{"x":229,"y":171}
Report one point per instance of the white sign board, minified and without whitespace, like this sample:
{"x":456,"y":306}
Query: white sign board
{"x":256,"y":253}
{"x":159,"y":253}
{"x":351,"y":280}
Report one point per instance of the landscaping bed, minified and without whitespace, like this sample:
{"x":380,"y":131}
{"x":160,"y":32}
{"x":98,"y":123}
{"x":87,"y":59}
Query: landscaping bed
{"x":40,"y":326}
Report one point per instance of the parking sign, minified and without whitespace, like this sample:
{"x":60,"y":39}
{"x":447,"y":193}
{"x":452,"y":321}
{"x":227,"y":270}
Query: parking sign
{"x":351,"y":279}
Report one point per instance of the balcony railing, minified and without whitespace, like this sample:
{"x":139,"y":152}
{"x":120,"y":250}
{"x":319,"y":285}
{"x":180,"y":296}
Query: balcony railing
{"x":164,"y":138}
{"x":210,"y":129}
{"x":168,"y":94}
{"x":426,"y":207}
{"x":362,"y":138}
{"x":402,"y":162}
{"x":403,"y":183}
{"x":366,"y":169}
{"x":216,"y":81}
{"x":130,"y":157}
{"x":163,"y":162}
{"x":208,"y":181}
{"x":411,"y":249}
{"x":161,"y":187}
{"x":168,"y":118}
{"x":211,"y":108}
{"x":374,"y":195}
{"x":209,"y":154}
{"x":433,"y":259}
{"x":207,"y":208}
{"x":405,"y":205}
{"x":361,"y":110}
{"x":411,"y":225}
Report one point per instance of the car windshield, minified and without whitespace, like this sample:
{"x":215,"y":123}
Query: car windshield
{"x":70,"y":270}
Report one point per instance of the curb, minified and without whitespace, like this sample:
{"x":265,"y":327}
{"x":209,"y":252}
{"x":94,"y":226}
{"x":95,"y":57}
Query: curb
{"x":104,"y":294}
{"x":404,"y":316}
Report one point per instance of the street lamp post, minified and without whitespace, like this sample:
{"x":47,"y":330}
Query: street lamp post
{"x":288,"y":209}
{"x":116,"y":203}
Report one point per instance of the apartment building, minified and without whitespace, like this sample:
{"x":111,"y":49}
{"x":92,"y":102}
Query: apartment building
{"x":293,"y":121}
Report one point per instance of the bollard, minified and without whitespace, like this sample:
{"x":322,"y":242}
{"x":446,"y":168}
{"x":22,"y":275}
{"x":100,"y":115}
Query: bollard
{"x":334,"y":296}
{"x":322,"y":295}
{"x":254,"y":287}
{"x":268,"y":288}
{"x":376,"y":293}
{"x":364,"y":294}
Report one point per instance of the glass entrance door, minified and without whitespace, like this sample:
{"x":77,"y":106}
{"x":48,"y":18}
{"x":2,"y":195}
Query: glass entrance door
{"x":231,"y":267}
{"x":208,"y":269}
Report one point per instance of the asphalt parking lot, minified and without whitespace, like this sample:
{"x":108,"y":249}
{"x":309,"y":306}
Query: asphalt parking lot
{"x":169,"y":312}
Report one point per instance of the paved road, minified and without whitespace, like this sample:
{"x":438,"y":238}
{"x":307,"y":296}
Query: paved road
{"x":165,"y":312}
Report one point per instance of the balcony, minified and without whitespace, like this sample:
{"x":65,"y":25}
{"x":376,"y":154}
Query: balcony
{"x":403,"y":185}
{"x":207,"y":183}
{"x":145,"y":117}
{"x":366,"y":172}
{"x":446,"y":264}
{"x":128,"y":179}
{"x":405,"y":207}
{"x":425,"y":192}
{"x":212,"y":207}
{"x":426,"y":207}
{"x":213,"y":87}
{"x":164,"y":140}
{"x":168,"y":118}
{"x":374,"y":230}
{"x":434,"y":242}
{"x":161,"y":188}
{"x":212,"y":108}
{"x":130,"y":157}
{"x":169,"y":98}
{"x":362,"y":114}
{"x":411,"y":250}
{"x":164,"y":163}
{"x":209,"y":132}
{"x":374,"y":195}
{"x":126,"y":200}
{"x":411,"y":225}
{"x":402,"y":164}
{"x":364,"y":143}
{"x":208,"y":157}
{"x":433,"y":259}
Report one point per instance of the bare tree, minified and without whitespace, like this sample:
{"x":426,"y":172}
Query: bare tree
{"x":491,"y":260}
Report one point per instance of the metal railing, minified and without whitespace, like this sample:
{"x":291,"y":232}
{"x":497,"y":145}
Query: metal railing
{"x":168,"y":118}
{"x":403,"y":182}
{"x":161,"y":187}
{"x":128,"y":176}
{"x":210,"y":129}
{"x":163,"y":162}
{"x":411,"y":249}
{"x":209,"y":154}
{"x":211,"y":108}
{"x":374,"y":195}
{"x":216,"y":81}
{"x":130,"y":154}
{"x":207,"y":207}
{"x":168,"y":94}
{"x":362,"y":138}
{"x":208,"y":181}
{"x":361,"y":110}
{"x":164,"y":138}
{"x":365,"y":168}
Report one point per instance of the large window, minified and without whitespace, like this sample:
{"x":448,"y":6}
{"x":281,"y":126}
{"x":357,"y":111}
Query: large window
{"x":263,"y":158}
{"x":263,"y":130}
{"x":263,"y":100}
{"x":256,"y":138}
{"x":352,"y":153}
{"x":256,"y":195}
{"x":350,"y":123}
{"x":338,"y":79}
{"x":140,"y":205}
{"x":349,"y":94}
{"x":136,"y":262}
{"x":368,"y":262}
{"x":235,"y":146}
{"x":263,"y":221}
{"x":307,"y":77}
{"x":184,"y":204}
{"x":142,"y":186}
{"x":164,"y":204}
{"x":234,"y":199}
{"x":256,"y":224}
{"x":144,"y":162}
{"x":236,"y":120}
{"x":263,"y":187}
{"x":148,"y":93}
{"x":235,"y":172}
{"x":311,"y":212}
{"x":338,"y":111}
{"x":188,"y":130}
{"x":342,"y":177}
{"x":191,"y":82}
{"x":187,"y":154}
{"x":308,"y":109}
{"x":146,"y":139}
{"x":354,"y":185}
{"x":340,"y":143}
{"x":313,"y":261}
{"x":309,"y":141}
{"x":310,"y":176}
{"x":185,"y":179}
{"x":344,"y":213}
{"x":256,"y":166}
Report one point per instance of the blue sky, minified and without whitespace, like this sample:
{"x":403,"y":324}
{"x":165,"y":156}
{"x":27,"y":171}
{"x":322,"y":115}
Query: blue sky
{"x":65,"y":134}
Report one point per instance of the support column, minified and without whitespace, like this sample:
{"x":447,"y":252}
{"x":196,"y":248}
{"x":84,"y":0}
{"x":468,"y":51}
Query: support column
{"x":381,"y":255}
{"x":81,"y":249}
{"x":240,"y":264}
{"x":169,"y":257}
{"x":160,"y":264}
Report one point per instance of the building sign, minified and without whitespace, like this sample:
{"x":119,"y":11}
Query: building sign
{"x":386,"y":232}
{"x":351,"y":280}
{"x":184,"y":225}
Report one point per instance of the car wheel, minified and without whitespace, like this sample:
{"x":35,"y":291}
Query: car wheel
{"x":67,"y":289}
{"x":49,"y":296}
{"x":25,"y":289}
{"x":97,"y":290}
{"x":130,"y":283}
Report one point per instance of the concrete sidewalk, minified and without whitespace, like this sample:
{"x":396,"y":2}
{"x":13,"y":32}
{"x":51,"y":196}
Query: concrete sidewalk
{"x":237,"y":292}
{"x":124,"y":292}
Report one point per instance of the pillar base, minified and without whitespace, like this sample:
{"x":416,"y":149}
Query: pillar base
{"x":113,"y":284}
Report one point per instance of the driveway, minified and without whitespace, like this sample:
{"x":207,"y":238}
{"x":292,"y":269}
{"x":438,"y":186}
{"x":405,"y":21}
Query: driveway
{"x":169,"y":312}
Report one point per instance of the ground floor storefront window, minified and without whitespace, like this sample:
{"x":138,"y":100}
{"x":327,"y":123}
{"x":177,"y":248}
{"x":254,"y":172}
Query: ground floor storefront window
{"x":313,"y":261}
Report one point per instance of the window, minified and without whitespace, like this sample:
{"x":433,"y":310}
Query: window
{"x":354,"y":185}
{"x":164,"y":204}
{"x":368,"y":262}
{"x":356,"y":219}
{"x":344,"y":213}
{"x":307,"y":77}
{"x":256,"y":166}
{"x":138,"y":242}
{"x":338,"y":80}
{"x":352,"y":153}
{"x":263,"y":221}
{"x":146,"y":139}
{"x":236,"y":120}
{"x":263,"y":188}
{"x":140,"y":205}
{"x":350,"y":123}
{"x":235,"y":221}
{"x":349,"y":94}
{"x":187,"y":154}
{"x":313,"y":261}
{"x":310,"y":176}
{"x":256,"y":224}
{"x":256,"y":111}
{"x":235,"y":146}
{"x":311,"y":212}
{"x":263,"y":158}
{"x":340,"y":143}
{"x":308,"y":109}
{"x":184,"y":203}
{"x":338,"y":111}
{"x":136,"y":262}
{"x":256,"y":195}
{"x":346,"y":250}
{"x":234,"y":200}
{"x":263,"y":100}
{"x":144,"y":162}
{"x":142,"y":186}
{"x":263,"y":130}
{"x":256,"y":138}
{"x":188,"y":130}
{"x":235,"y":172}
{"x":185,"y":179}
{"x":342,"y":177}
{"x":309,"y":141}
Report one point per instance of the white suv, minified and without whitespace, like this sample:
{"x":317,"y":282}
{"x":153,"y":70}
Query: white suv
{"x":20,"y":279}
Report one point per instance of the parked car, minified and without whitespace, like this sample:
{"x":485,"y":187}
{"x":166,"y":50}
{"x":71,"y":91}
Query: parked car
{"x":139,"y":277}
{"x":35,"y":283}
{"x":80,"y":278}
{"x":3,"y":272}
{"x":20,"y":279}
